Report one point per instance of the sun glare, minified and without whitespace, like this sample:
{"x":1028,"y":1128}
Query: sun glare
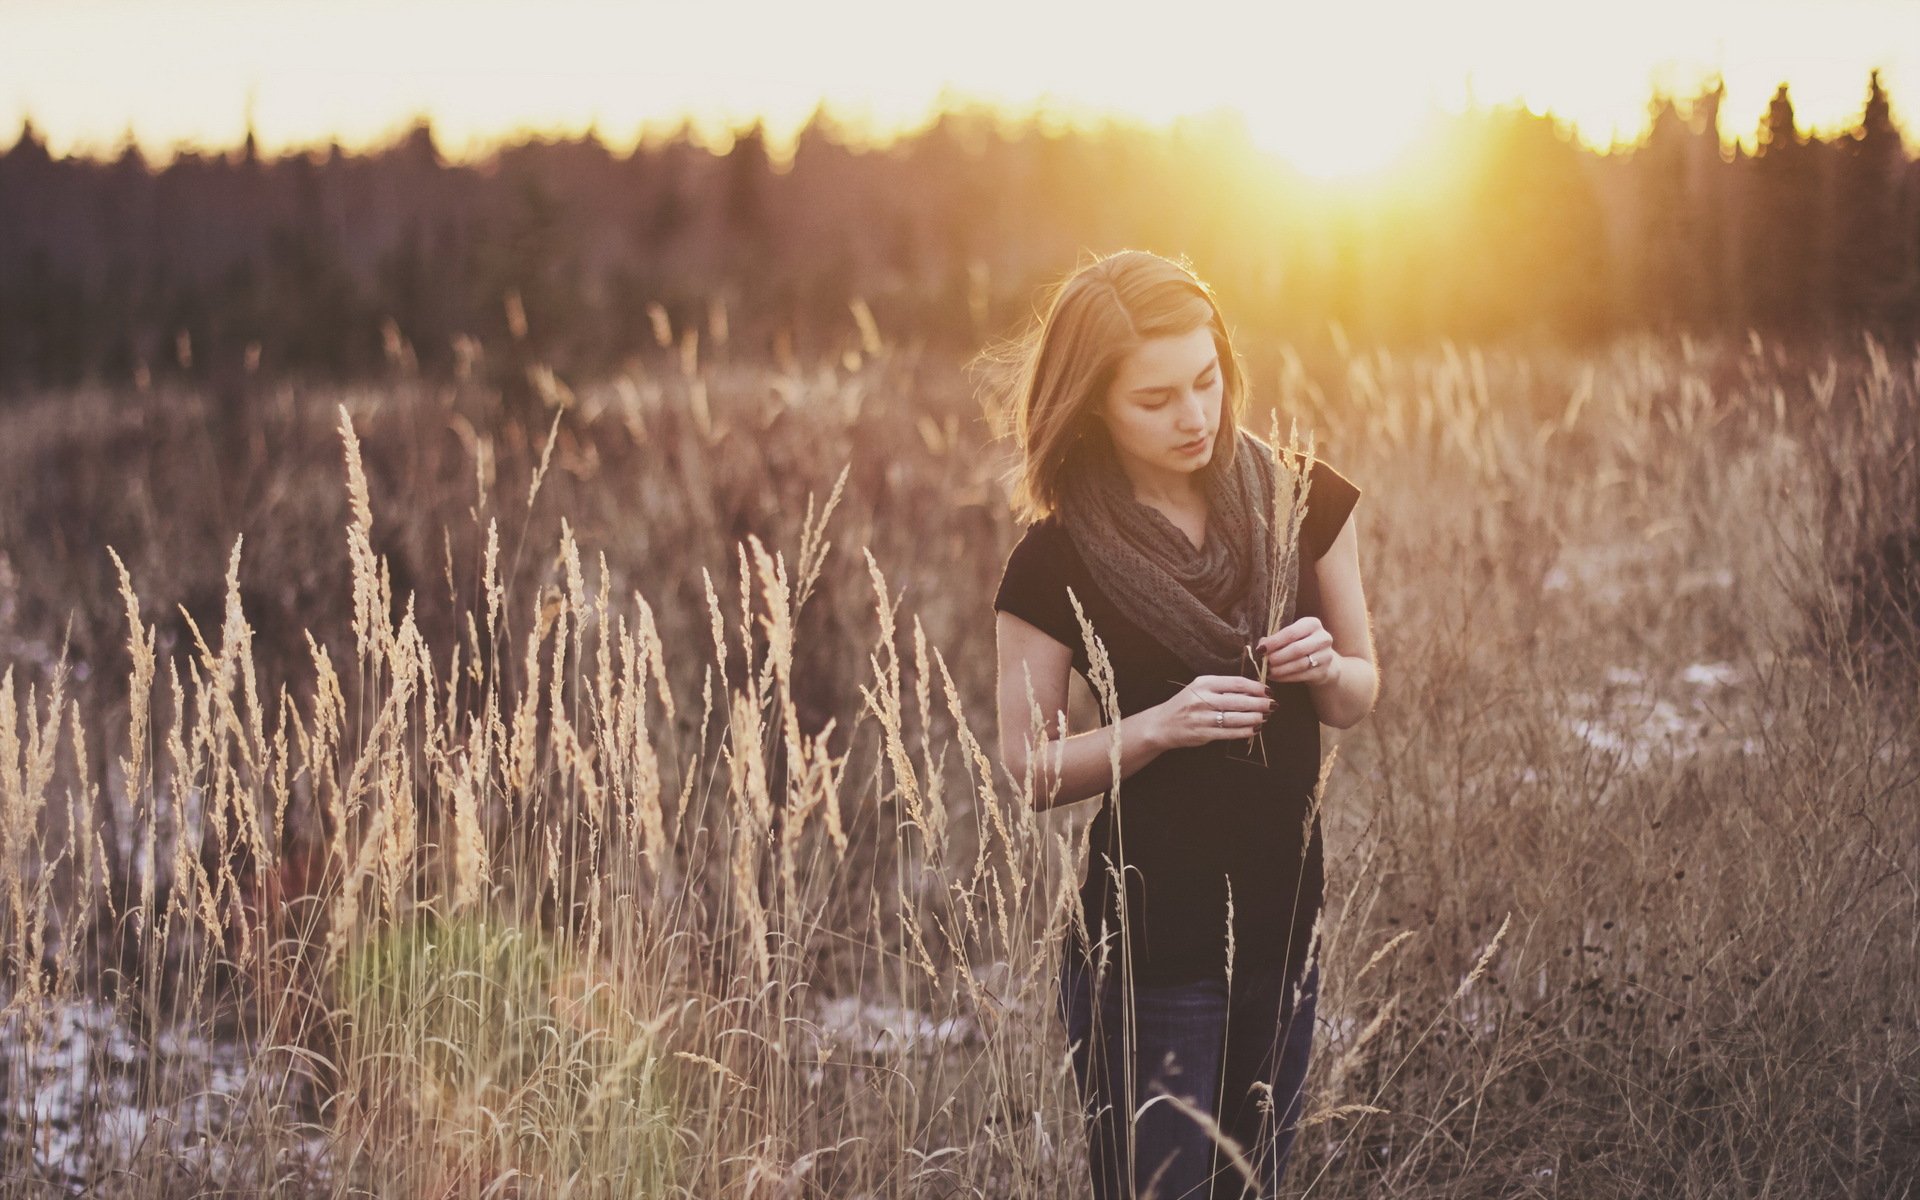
{"x":1355,"y":150}
{"x":1339,"y":92}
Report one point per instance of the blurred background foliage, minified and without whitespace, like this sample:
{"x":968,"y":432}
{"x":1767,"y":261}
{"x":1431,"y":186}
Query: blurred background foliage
{"x":1499,"y":225}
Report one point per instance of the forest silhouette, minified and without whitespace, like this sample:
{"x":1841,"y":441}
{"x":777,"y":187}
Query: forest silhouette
{"x":1499,"y":226}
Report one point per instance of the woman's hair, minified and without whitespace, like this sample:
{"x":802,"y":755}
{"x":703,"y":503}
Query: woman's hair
{"x":1057,"y":373}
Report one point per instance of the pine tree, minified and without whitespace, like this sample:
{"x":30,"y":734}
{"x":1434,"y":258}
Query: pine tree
{"x":1873,"y":251}
{"x":1780,"y":203}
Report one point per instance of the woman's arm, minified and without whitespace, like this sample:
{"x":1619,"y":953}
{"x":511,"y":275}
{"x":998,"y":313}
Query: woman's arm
{"x":1066,"y":768}
{"x":1335,"y":630}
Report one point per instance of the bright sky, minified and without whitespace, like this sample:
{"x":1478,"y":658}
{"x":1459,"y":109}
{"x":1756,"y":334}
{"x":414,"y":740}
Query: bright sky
{"x":1336,"y":87}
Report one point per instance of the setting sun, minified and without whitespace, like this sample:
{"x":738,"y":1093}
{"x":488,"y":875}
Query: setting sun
{"x":1364,"y":146}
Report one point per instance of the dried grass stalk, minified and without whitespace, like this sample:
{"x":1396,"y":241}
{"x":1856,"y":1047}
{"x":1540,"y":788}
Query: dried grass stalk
{"x":1292,"y":473}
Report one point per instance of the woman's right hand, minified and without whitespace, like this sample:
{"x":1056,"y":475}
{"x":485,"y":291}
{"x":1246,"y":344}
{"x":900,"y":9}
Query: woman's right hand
{"x":1214,"y":708}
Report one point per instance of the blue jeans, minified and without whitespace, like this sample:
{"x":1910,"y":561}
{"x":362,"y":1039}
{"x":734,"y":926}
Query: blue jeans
{"x":1193,"y":1041}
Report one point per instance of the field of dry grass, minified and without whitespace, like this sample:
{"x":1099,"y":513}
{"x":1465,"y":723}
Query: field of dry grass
{"x":420,"y":802}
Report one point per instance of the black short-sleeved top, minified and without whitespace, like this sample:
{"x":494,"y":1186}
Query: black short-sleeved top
{"x":1197,"y":818}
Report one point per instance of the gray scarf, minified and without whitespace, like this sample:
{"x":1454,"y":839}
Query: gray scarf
{"x":1205,"y":605}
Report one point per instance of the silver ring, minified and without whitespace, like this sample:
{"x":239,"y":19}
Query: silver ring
{"x":1313,"y":660}
{"x":1219,"y":718}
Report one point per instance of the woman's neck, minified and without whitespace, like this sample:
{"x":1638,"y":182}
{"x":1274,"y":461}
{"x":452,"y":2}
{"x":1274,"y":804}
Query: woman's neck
{"x":1177,"y":490}
{"x":1180,"y":499}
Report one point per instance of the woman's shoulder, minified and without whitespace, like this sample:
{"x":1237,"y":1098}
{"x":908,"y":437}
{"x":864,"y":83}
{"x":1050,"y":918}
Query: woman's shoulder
{"x":1331,"y":497}
{"x":1040,"y":569}
{"x":1043,"y":548}
{"x":1329,"y":481}
{"x":1046,"y":531}
{"x":1323,"y":477}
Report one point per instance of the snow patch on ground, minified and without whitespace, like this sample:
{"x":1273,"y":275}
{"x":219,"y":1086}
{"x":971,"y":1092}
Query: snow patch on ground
{"x":1627,"y":720}
{"x":882,"y":1028}
{"x":83,"y":1096}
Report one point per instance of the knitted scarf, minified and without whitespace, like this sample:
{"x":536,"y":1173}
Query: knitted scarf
{"x":1205,"y":605}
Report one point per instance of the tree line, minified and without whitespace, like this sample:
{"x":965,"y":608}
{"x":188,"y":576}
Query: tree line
{"x":565,"y":252}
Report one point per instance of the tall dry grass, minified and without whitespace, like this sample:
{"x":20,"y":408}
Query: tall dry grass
{"x":623,"y":826}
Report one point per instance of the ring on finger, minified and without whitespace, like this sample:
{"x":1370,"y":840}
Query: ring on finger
{"x":1219,"y":719}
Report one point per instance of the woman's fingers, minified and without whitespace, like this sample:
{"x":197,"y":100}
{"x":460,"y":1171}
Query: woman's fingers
{"x":1231,"y":685}
{"x":1286,"y":636}
{"x":1234,"y":693}
{"x":1235,"y":725}
{"x":1227,"y":707}
{"x":1235,"y":715}
{"x":1243,"y":701}
{"x":1297,"y":653}
{"x":1231,"y":718}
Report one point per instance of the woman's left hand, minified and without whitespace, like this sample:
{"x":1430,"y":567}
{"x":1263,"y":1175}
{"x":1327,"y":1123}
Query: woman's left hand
{"x":1300,"y":653}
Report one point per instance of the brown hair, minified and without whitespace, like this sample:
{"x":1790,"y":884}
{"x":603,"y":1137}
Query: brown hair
{"x":1058,"y":372}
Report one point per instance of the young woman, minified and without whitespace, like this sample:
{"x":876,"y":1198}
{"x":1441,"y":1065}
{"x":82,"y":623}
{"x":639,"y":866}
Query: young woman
{"x":1146,"y":500}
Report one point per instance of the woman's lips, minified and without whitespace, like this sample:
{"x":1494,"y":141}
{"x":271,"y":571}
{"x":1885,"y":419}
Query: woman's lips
{"x":1193,"y":447}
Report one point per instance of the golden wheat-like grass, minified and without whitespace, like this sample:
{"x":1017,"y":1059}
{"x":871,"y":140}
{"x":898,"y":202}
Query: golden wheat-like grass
{"x":466,"y":893}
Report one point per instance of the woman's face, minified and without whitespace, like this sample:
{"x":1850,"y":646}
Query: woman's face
{"x":1163,"y":410}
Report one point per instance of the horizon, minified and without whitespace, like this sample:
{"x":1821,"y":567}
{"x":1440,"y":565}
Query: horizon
{"x":199,"y":77}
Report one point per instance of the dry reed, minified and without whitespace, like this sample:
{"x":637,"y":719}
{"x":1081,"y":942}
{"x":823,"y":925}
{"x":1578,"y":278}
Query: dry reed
{"x":450,"y":893}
